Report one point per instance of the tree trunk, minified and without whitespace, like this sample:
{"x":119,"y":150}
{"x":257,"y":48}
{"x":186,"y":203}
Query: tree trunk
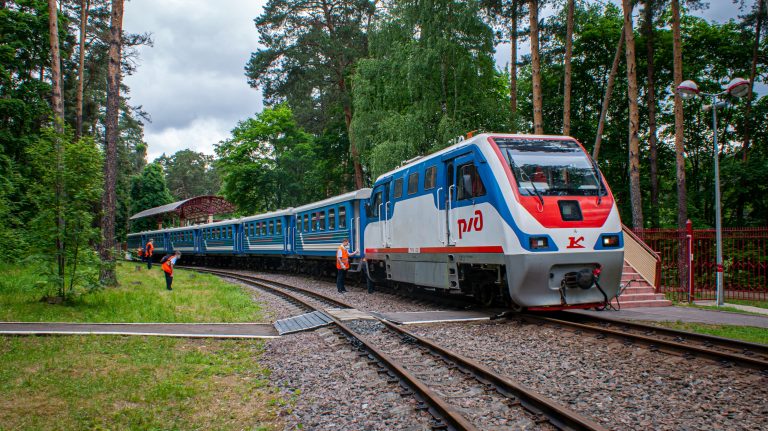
{"x":513,"y":67}
{"x":651,"y":97}
{"x":80,"y":70}
{"x":108,"y":276}
{"x":682,"y":209}
{"x":607,"y":96}
{"x":634,"y":120}
{"x":567,"y":84}
{"x":752,"y":74}
{"x":538,"y":121}
{"x":352,"y":146}
{"x":58,"y":125}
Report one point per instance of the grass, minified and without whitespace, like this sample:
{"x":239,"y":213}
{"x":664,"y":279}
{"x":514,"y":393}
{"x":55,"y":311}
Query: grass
{"x":744,"y":333}
{"x":137,"y":383}
{"x":140,"y":297}
{"x":760,"y":304}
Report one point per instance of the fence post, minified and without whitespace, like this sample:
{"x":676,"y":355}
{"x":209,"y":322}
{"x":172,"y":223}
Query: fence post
{"x":689,"y":238}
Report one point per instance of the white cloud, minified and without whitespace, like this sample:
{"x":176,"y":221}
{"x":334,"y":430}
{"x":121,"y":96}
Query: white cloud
{"x":200,"y":135}
{"x":193,"y":78}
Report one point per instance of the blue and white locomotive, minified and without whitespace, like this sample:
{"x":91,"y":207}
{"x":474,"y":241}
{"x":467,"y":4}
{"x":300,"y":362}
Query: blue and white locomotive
{"x":522,"y":219}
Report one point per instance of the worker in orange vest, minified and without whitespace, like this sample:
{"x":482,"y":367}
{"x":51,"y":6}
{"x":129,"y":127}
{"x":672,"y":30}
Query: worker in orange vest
{"x":168,"y":264}
{"x":148,"y":249}
{"x":342,"y":264}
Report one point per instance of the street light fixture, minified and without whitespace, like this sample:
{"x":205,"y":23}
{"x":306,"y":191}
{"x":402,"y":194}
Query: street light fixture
{"x":738,"y":87}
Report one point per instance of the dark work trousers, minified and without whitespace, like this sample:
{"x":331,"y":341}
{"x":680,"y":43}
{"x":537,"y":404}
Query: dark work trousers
{"x":168,"y":280}
{"x":368,"y":282}
{"x":149,"y":262}
{"x":340,"y":274}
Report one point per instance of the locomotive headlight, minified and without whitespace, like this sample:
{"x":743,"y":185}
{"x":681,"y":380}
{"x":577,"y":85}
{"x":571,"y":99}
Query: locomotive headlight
{"x":538,"y":242}
{"x":610,"y":240}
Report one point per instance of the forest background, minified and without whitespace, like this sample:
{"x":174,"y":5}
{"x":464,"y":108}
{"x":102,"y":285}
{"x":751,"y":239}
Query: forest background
{"x":352,"y":88}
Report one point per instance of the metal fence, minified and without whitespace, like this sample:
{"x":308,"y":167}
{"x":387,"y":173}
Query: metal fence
{"x":689,"y":264}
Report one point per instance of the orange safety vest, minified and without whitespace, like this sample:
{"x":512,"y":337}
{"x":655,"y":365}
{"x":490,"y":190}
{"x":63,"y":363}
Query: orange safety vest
{"x":344,"y":258}
{"x":167,"y":267}
{"x":150,"y":249}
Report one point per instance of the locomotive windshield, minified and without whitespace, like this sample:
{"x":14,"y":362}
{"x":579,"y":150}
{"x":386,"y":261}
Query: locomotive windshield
{"x":551,"y":167}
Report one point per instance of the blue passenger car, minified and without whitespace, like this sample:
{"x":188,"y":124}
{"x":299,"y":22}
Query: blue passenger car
{"x":321,"y":226}
{"x":267,"y":234}
{"x":182,"y":239}
{"x":161,"y":243}
{"x":219,"y":237}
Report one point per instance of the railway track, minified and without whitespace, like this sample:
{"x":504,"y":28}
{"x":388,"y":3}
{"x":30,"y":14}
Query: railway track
{"x":687,"y":344}
{"x":461,"y":394}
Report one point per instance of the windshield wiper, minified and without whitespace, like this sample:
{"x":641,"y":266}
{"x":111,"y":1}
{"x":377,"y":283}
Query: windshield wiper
{"x":599,"y":181}
{"x":525,"y":178}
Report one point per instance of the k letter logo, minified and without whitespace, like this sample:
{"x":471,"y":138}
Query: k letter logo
{"x":575,"y":242}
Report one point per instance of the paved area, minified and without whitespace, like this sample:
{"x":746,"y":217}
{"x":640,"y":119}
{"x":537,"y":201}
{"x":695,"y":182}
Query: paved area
{"x":349,"y":314}
{"x":416,"y":317}
{"x":193,"y":330}
{"x":749,"y":308}
{"x":683,"y":314}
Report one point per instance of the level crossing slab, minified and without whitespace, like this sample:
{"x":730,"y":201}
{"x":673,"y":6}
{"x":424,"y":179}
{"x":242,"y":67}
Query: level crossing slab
{"x":349,"y":314}
{"x":188,"y":330}
{"x":302,"y":322}
{"x":682,"y":314}
{"x":438,"y":316}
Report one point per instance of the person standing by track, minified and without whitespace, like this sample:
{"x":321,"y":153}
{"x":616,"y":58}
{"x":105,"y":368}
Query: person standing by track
{"x":148,"y":249}
{"x":168,"y":265}
{"x":342,"y":264}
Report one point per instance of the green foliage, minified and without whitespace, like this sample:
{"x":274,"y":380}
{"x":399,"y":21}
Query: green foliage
{"x":269,"y":163}
{"x":148,"y":190}
{"x":81,"y":177}
{"x":430,"y":77}
{"x":189,"y":174}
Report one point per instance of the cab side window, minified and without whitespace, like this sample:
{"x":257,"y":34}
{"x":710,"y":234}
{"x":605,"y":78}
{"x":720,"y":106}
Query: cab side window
{"x":376,"y":203}
{"x":398,"y":192}
{"x":469,"y":183}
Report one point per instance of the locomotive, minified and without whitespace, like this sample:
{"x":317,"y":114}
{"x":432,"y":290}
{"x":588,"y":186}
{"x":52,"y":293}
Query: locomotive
{"x":524,"y":220}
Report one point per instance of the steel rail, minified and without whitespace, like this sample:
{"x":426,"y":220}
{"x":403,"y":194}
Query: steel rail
{"x":532,"y":401}
{"x":656,"y":342}
{"x":556,"y":414}
{"x":440,"y":409}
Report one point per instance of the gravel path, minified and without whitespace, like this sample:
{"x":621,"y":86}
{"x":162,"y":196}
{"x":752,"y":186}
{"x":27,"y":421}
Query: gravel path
{"x":356,"y":296}
{"x":622,"y":387}
{"x":330,"y":387}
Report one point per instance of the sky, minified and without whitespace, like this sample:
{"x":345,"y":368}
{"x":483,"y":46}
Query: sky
{"x":192,"y":82}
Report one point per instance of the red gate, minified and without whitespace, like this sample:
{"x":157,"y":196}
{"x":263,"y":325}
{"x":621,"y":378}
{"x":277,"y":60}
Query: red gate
{"x":689,"y":264}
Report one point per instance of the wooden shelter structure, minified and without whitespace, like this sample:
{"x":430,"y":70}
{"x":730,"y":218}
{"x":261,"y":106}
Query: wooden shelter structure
{"x":199,"y":209}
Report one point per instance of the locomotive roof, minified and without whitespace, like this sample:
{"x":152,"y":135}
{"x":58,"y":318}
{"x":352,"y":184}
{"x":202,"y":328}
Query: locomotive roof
{"x":357,"y":194}
{"x":466,"y":142}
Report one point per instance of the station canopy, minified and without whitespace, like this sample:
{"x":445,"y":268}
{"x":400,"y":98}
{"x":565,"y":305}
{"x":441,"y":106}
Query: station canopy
{"x":200,"y":208}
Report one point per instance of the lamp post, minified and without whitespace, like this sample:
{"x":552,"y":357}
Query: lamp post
{"x":738,"y":87}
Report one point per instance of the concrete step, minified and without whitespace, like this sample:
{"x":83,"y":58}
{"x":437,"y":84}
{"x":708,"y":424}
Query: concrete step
{"x":638,"y":290}
{"x":633,"y":297}
{"x":648,"y":303}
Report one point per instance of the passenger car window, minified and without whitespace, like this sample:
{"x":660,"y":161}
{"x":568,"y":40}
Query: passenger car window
{"x":306,"y":222}
{"x":263,"y":228}
{"x":430,"y":175}
{"x":342,"y":217}
{"x":469,"y":183}
{"x":398,"y":188}
{"x":314,"y":222}
{"x":279,"y":225}
{"x":271,"y":227}
{"x":413,"y":183}
{"x":321,"y":220}
{"x":331,"y":219}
